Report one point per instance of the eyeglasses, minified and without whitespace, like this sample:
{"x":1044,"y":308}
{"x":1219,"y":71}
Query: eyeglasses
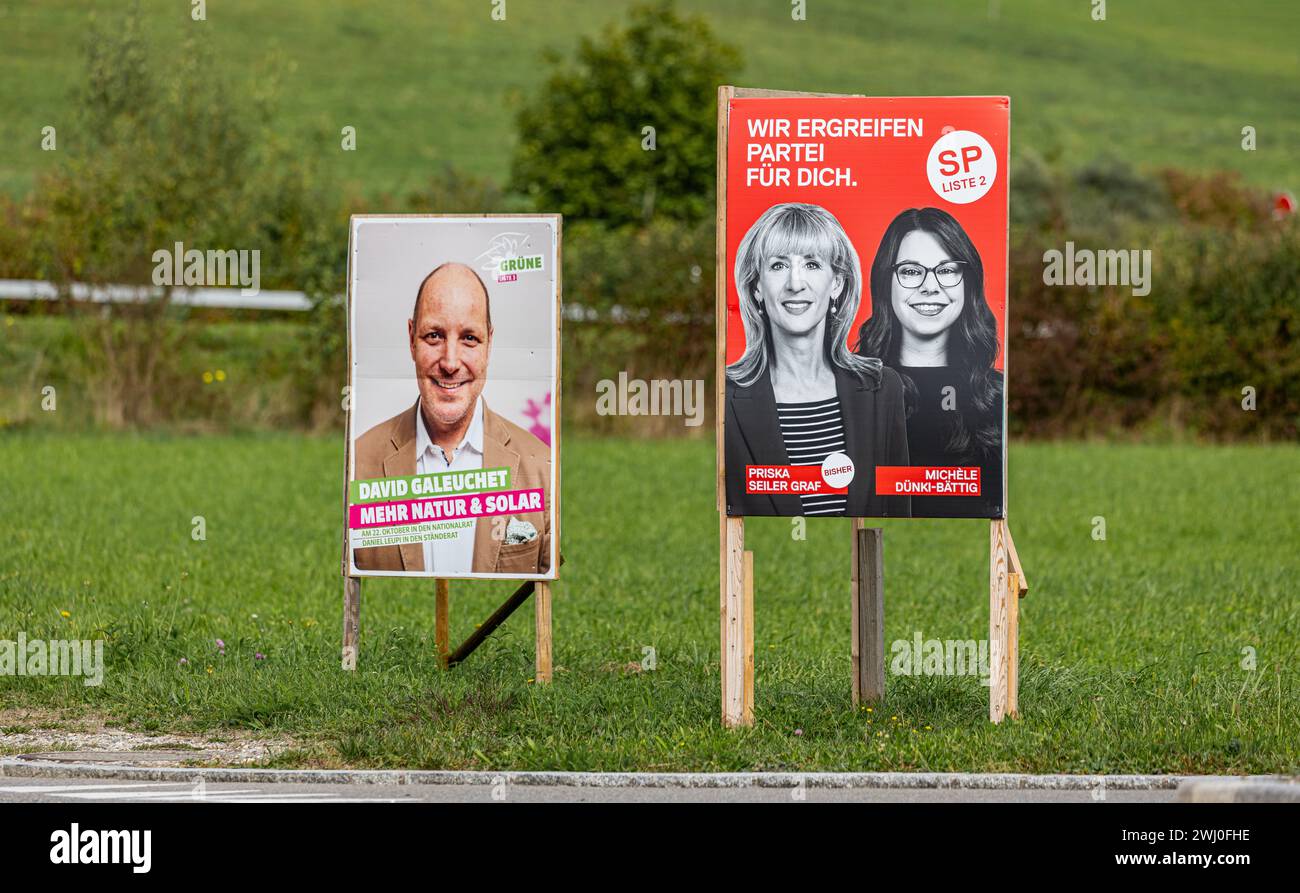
{"x":911,"y":274}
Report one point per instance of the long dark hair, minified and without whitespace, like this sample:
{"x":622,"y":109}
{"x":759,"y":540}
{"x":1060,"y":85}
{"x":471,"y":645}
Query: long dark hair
{"x":972,"y":342}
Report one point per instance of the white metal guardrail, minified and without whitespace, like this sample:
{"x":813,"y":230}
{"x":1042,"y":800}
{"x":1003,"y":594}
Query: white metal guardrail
{"x":230,"y":298}
{"x":38,"y":290}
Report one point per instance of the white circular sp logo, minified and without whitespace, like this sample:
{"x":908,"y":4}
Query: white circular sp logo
{"x":961,"y":167}
{"x":837,"y":471}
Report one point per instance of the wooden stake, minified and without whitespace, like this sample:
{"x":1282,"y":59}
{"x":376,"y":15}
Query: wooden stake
{"x":487,"y":627}
{"x":868,"y":645}
{"x":749,"y":638}
{"x":1019,"y":588}
{"x":542,"y":599}
{"x":735,"y":565}
{"x":734,"y":636}
{"x":720,"y":302}
{"x":442,"y":621}
{"x":999,"y":598}
{"x":351,"y":621}
{"x":351,"y":585}
{"x":1013,"y":644}
{"x":855,"y":615}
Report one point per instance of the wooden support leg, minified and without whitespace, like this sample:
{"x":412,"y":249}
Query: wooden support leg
{"x":749,"y":638}
{"x":1019,"y":587}
{"x":734,"y":616}
{"x":855,"y":622}
{"x":487,"y":627}
{"x":868,"y":645}
{"x":542,"y":603}
{"x":442,"y":621}
{"x":351,"y":620}
{"x":1013,"y":644}
{"x":999,"y":598}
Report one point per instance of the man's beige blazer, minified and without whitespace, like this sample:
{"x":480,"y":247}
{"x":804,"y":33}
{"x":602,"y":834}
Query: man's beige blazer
{"x":388,"y":450}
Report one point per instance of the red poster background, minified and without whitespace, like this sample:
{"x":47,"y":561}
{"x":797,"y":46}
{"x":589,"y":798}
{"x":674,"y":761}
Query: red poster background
{"x":890,"y":174}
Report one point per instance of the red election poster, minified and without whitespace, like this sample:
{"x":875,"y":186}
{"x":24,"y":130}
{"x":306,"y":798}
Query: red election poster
{"x":866,"y":306}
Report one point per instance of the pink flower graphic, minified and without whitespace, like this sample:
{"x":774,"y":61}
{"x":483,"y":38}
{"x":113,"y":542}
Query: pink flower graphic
{"x":540,"y":427}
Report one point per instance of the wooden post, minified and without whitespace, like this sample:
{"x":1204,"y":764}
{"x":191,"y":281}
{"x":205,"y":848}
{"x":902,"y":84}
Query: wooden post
{"x":1013,"y":645}
{"x":542,"y":598}
{"x":351,"y":585}
{"x":999,"y":598}
{"x":351,"y":620}
{"x":487,"y":627}
{"x":1018,"y":586}
{"x":720,"y":312}
{"x":749,"y":638}
{"x":544,"y":642}
{"x":442,"y":621}
{"x":734,"y":565}
{"x":736,"y":609}
{"x":868,"y":644}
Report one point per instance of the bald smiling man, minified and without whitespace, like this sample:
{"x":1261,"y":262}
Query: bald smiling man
{"x":450,"y":428}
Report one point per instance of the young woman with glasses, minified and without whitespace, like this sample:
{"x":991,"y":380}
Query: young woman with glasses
{"x":931,"y":322}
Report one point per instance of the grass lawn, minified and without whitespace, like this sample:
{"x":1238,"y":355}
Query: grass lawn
{"x":1132,"y":647}
{"x":1158,"y":82}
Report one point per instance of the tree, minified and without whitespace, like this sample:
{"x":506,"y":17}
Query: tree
{"x":165,"y":148}
{"x":584,"y":148}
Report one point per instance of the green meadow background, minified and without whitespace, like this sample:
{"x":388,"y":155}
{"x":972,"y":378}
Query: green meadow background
{"x":1169,"y":646}
{"x":425,"y":82}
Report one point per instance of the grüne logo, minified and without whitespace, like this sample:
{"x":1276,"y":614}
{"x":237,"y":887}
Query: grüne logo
{"x":90,"y":847}
{"x":506,"y":257}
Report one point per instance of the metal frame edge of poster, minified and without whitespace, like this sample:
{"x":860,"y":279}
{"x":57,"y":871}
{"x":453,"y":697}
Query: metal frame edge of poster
{"x":543,"y":659}
{"x":1007,"y":583}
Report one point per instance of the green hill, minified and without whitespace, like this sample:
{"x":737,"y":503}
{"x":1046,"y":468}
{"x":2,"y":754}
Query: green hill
{"x":427,"y":82}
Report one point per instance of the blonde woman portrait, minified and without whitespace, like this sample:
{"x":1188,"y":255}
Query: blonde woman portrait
{"x":798,"y":394}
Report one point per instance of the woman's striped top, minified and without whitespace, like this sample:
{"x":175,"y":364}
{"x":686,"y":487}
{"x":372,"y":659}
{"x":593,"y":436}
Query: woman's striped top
{"x":812,"y":431}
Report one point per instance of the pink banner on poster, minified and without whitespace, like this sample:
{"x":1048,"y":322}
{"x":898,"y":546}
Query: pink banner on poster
{"x":448,"y":508}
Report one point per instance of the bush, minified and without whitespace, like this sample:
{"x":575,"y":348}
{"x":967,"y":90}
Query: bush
{"x":1221,"y":315}
{"x":580,"y":141}
{"x":1218,"y":199}
{"x":165,"y":150}
{"x":647,"y":298}
{"x":1233,"y":309}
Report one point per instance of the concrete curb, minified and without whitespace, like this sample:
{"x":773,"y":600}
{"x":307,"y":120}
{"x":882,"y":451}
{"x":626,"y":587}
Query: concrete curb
{"x":21,"y":767}
{"x":1240,"y":790}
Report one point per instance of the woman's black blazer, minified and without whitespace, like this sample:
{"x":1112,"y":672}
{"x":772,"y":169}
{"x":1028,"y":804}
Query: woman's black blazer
{"x":875,"y":433}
